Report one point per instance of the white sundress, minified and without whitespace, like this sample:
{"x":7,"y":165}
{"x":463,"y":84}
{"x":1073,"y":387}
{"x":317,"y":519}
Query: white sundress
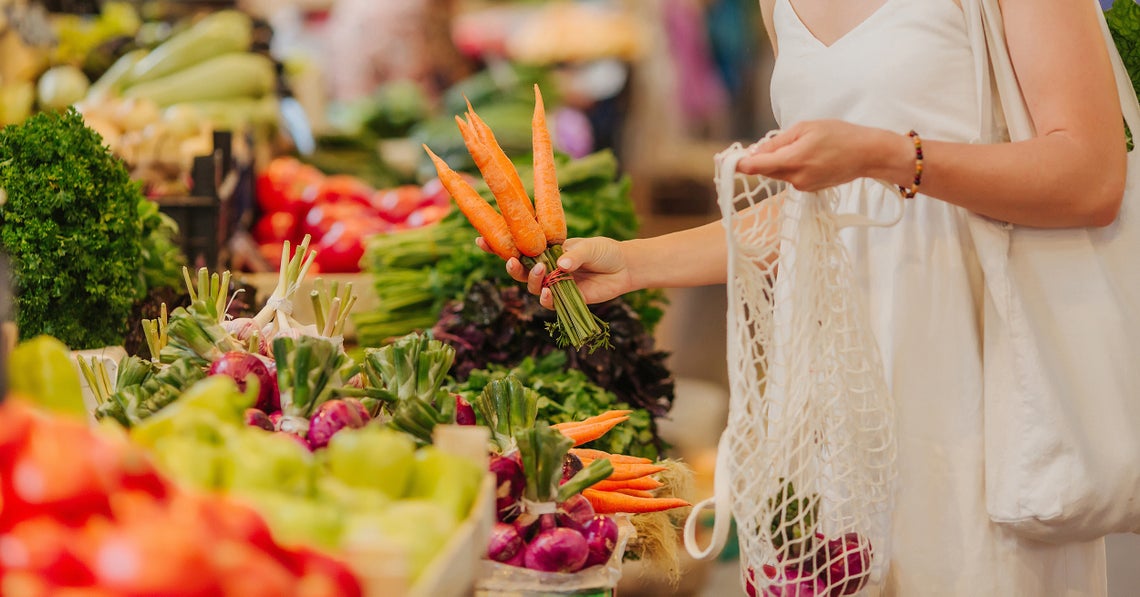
{"x":910,"y":66}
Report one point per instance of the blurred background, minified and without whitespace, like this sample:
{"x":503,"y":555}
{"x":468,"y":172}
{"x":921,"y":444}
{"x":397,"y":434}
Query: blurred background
{"x":354,"y":88}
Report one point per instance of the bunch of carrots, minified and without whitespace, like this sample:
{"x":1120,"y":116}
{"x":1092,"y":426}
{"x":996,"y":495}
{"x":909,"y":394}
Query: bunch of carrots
{"x":532,"y":232}
{"x":630,"y":487}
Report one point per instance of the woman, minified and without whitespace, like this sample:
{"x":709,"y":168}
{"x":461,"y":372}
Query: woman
{"x":851,"y":79}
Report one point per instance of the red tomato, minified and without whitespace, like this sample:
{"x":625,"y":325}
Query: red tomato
{"x":275,"y":227}
{"x":342,"y":246}
{"x":321,"y":218}
{"x":427,"y":215}
{"x":396,"y":204}
{"x":45,"y":546}
{"x":285,"y":185}
{"x":434,"y":193}
{"x":341,"y":187}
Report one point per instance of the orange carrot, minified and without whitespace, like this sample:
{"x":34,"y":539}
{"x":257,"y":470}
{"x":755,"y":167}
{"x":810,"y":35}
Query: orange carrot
{"x":628,"y":472}
{"x":641,"y":493}
{"x":514,"y":205}
{"x":609,"y":502}
{"x":482,"y":216}
{"x":595,"y":454}
{"x":609,"y":414}
{"x":547,"y":199}
{"x":588,"y":432}
{"x":644,"y":483}
{"x":498,"y":156}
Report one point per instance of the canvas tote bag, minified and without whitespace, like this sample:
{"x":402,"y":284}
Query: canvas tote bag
{"x":1062,"y":338}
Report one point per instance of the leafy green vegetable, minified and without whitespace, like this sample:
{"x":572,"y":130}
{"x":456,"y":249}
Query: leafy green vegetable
{"x":568,"y":395}
{"x":70,"y":221}
{"x":1124,"y":22}
{"x":162,"y":259}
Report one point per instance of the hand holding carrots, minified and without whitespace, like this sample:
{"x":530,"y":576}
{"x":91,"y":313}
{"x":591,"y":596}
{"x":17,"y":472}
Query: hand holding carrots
{"x":530,"y":233}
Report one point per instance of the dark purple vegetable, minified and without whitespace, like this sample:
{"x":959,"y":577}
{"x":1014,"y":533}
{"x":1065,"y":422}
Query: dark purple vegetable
{"x":239,"y":366}
{"x":845,"y":564}
{"x":787,"y":582}
{"x":575,"y":512}
{"x":258,"y":418}
{"x":509,"y":485}
{"x":519,"y":560}
{"x":464,"y":412}
{"x":556,"y":550}
{"x":601,"y":535}
{"x":331,"y":417}
{"x":570,"y":467}
{"x":505,"y":543}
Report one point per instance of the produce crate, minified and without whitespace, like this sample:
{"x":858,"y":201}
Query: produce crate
{"x":452,"y":573}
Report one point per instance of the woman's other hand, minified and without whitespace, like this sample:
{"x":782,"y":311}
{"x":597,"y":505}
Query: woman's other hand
{"x":818,"y":154}
{"x":598,"y":264}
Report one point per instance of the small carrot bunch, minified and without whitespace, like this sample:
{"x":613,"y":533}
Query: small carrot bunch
{"x":532,"y":232}
{"x":629,"y":488}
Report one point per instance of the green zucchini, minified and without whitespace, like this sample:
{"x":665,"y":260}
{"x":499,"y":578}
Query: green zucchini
{"x":223,"y":32}
{"x":220,"y":78}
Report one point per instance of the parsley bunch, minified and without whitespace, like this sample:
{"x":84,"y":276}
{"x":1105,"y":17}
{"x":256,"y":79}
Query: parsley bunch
{"x":1123,"y":19}
{"x":70,"y":222}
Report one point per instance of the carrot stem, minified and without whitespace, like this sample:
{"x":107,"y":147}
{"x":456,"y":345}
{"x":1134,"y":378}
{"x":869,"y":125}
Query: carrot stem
{"x":575,"y":325}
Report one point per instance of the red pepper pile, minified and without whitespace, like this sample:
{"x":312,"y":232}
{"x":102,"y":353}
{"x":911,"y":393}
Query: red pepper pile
{"x":82,"y":511}
{"x":339,"y":211}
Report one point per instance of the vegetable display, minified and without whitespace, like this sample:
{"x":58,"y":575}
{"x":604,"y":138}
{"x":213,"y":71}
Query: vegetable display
{"x":522,"y":228}
{"x":1123,"y":18}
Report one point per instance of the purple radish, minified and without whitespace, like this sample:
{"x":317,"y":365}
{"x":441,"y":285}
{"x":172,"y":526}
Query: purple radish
{"x":601,"y":534}
{"x":571,"y":465}
{"x":331,"y":417}
{"x":556,"y":550}
{"x":258,"y":418}
{"x":505,"y":543}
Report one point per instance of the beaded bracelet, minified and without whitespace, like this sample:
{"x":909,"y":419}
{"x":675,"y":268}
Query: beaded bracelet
{"x":913,"y":190}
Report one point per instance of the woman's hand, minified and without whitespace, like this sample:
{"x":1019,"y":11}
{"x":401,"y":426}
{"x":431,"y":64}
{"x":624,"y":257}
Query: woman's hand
{"x":598,"y":265}
{"x":818,"y":154}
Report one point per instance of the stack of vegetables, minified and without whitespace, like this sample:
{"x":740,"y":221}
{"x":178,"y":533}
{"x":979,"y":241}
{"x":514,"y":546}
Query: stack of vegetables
{"x":334,"y":453}
{"x":339,"y":212}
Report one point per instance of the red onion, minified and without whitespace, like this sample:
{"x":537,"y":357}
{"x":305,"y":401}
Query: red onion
{"x":509,"y":485}
{"x":556,"y":550}
{"x":575,"y":512}
{"x":845,"y":564}
{"x":601,"y":534}
{"x":331,"y":417}
{"x":257,"y":418}
{"x":464,"y":412}
{"x":787,"y":582}
{"x":505,"y":543}
{"x":239,"y":366}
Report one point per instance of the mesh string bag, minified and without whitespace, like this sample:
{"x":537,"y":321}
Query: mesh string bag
{"x":806,"y":464}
